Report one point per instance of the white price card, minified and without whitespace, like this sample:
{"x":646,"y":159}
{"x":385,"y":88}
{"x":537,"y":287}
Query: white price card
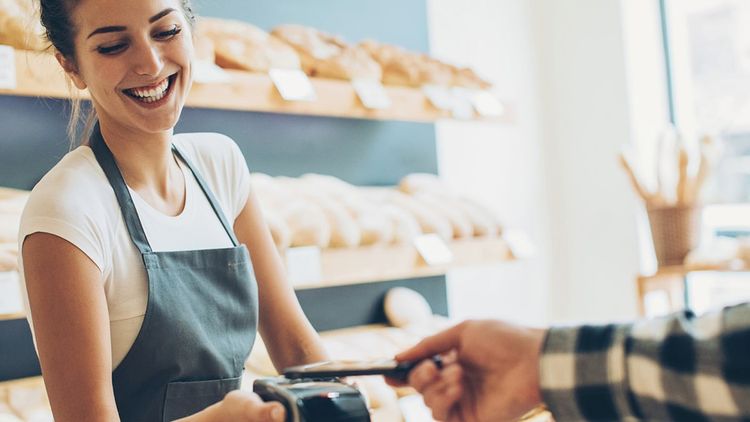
{"x":433,"y":250}
{"x":372,"y":94}
{"x":207,"y":72}
{"x":519,"y":243}
{"x":462,"y":106}
{"x":440,"y":97}
{"x":293,"y":84}
{"x":10,"y":293}
{"x":7,"y":67}
{"x":486,"y":104}
{"x":303,"y":265}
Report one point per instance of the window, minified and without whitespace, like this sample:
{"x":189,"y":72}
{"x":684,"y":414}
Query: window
{"x":708,"y":61}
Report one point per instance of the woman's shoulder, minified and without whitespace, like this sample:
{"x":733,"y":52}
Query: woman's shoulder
{"x":75,"y":185}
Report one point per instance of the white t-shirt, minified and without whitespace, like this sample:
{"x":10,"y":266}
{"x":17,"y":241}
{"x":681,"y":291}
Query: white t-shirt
{"x":76,"y":202}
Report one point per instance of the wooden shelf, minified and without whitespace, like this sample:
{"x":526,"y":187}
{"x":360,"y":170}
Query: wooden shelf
{"x":394,"y":262}
{"x":38,"y":75}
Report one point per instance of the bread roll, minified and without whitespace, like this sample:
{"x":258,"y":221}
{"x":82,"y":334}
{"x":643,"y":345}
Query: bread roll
{"x":240,"y":45}
{"x":404,"y":306}
{"x":327,"y":56}
{"x":417,"y":182}
{"x":405,"y":227}
{"x":443,"y":205}
{"x":429,"y":221}
{"x":345,"y":232}
{"x":467,"y":78}
{"x":20,"y":26}
{"x":482,"y":219}
{"x":307,"y":222}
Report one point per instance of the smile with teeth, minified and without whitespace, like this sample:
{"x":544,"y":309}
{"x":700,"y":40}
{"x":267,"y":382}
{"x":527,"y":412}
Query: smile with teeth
{"x":150,"y":94}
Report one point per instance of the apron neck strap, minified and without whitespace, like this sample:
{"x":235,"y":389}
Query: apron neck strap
{"x":130,"y":215}
{"x":209,"y":195}
{"x":125,"y":200}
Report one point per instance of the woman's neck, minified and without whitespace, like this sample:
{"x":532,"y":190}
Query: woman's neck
{"x":148,"y":165}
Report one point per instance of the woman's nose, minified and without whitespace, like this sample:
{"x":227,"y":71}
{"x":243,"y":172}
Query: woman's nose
{"x":148,"y":60}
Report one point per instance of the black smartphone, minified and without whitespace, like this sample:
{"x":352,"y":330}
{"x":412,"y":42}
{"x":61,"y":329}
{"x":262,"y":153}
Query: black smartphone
{"x":347,"y":368}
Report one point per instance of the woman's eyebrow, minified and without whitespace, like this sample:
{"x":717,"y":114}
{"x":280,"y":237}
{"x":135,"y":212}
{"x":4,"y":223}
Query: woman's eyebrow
{"x":161,"y":14}
{"x":152,"y":19}
{"x":106,"y":29}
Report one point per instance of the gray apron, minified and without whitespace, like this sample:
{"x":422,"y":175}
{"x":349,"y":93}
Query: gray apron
{"x":200,"y":320}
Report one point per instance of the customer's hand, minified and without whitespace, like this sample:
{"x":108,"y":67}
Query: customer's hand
{"x":240,"y":406}
{"x":490,"y":371}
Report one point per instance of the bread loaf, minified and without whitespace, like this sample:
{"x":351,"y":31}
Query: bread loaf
{"x":240,"y":45}
{"x":20,"y":26}
{"x":328,"y":56}
{"x":443,"y":205}
{"x":429,"y":221}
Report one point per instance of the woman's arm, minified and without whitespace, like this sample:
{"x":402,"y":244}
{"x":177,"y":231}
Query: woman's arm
{"x":71,"y":326}
{"x":288,"y":335}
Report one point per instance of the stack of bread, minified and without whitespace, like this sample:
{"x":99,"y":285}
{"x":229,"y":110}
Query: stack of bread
{"x":323,"y":211}
{"x":402,"y":67}
{"x":20,"y":26}
{"x":24,"y":401}
{"x":240,"y":45}
{"x":328,"y":56}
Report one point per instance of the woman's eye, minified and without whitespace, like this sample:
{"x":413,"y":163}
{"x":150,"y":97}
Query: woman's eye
{"x":111,"y":49}
{"x":165,"y":35}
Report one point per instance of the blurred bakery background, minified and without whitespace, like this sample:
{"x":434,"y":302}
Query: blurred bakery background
{"x":423,"y":162}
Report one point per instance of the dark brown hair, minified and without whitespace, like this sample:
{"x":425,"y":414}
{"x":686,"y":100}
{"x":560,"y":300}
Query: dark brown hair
{"x":56,"y":17}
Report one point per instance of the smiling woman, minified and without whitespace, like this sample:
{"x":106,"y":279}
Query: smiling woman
{"x":164,"y":269}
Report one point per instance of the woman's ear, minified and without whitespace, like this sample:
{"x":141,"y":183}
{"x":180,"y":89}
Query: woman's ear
{"x":72,"y":70}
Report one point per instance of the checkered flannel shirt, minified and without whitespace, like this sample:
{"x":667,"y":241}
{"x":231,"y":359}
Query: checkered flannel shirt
{"x":675,"y":368}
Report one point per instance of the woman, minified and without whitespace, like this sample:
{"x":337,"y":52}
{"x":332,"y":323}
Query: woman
{"x":143,"y":302}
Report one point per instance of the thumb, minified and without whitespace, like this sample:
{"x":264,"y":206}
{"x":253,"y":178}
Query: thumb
{"x":437,"y":344}
{"x":271,"y":412}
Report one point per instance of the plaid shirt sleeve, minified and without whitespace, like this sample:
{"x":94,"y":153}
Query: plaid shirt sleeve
{"x":675,"y":368}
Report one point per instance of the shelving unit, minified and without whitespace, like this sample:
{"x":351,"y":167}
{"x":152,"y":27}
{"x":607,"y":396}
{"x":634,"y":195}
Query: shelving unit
{"x":673,"y":281}
{"x":371,"y":264}
{"x":393,"y":262}
{"x":38,"y":75}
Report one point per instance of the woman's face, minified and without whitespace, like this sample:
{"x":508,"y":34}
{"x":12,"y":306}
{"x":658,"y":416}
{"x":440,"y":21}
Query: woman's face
{"x":135,"y":58}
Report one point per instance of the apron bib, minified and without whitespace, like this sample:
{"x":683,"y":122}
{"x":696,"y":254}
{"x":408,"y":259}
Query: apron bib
{"x":200,"y":321}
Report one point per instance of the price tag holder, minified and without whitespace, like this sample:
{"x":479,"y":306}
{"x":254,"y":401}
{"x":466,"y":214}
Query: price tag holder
{"x":440,"y":97}
{"x":206,"y":72}
{"x":433,"y":250}
{"x":463,"y":108}
{"x":519,"y":243}
{"x":486,"y":104}
{"x":293,"y":84}
{"x":10,"y":294}
{"x":7,"y":67}
{"x":303,"y":265}
{"x":372,"y":94}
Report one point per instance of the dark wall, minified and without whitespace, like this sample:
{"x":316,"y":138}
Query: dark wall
{"x":32,"y":140}
{"x":364,"y":152}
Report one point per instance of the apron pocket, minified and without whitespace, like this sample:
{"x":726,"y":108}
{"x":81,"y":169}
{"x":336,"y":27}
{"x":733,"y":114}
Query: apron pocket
{"x":186,"y":398}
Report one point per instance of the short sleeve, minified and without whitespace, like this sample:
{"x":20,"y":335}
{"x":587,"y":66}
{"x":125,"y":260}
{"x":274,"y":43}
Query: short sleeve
{"x":241,"y":176}
{"x":68,"y":203}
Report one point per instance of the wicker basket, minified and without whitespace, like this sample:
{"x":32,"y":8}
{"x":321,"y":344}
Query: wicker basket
{"x":675,"y":232}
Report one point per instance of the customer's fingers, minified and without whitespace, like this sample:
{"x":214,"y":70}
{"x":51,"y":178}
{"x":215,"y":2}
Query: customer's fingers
{"x":433,"y":345}
{"x":246,"y":406}
{"x":423,"y":375}
{"x":443,"y":394}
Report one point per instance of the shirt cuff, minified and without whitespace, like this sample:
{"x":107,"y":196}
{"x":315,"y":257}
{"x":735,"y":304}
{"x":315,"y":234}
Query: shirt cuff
{"x":582,"y":372}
